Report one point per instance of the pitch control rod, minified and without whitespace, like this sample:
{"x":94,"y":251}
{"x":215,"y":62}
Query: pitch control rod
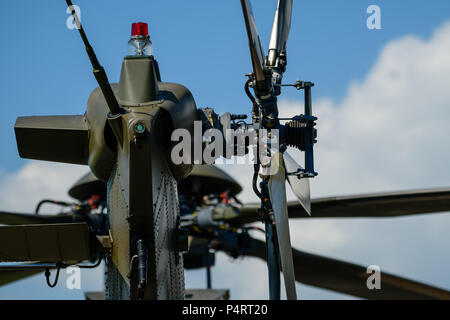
{"x":99,"y":72}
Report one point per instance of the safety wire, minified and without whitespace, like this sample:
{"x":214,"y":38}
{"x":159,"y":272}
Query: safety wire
{"x":60,"y":265}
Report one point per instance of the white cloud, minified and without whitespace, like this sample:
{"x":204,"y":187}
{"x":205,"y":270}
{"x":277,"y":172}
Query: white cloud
{"x":390,"y":132}
{"x":22,"y":190}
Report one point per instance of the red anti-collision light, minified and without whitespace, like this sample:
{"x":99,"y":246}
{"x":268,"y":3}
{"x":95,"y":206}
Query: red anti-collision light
{"x":139,"y":29}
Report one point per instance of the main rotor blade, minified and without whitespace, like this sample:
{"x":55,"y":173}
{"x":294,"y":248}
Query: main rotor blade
{"x":300,"y":187}
{"x":14,"y":272}
{"x":281,"y":26}
{"x":9,"y":276}
{"x":256,"y":51}
{"x":12,"y":218}
{"x":386,"y":204}
{"x":349,"y":278}
{"x":377,"y":205}
{"x":277,"y":192}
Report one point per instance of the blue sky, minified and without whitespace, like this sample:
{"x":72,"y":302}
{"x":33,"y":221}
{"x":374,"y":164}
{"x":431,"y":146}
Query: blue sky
{"x":203,"y":45}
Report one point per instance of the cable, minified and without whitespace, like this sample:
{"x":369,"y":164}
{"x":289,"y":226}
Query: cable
{"x":60,"y":265}
{"x":254,"y":181}
{"x":92,"y":266}
{"x":256,"y":228}
{"x":83,"y":266}
{"x":247,"y":91}
{"x":60,"y":203}
{"x":47,"y":276}
{"x":237,"y":200}
{"x":133,"y":258}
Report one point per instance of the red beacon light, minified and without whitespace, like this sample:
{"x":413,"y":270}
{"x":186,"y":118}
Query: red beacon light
{"x":140,"y":44}
{"x":139,"y":29}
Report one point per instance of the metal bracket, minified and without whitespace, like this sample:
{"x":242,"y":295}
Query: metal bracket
{"x":307,"y":120}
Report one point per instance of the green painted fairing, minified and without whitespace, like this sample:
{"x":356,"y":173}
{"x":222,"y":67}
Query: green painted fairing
{"x":174,"y":98}
{"x":53,"y":138}
{"x":138,"y":82}
{"x":102,"y":143}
